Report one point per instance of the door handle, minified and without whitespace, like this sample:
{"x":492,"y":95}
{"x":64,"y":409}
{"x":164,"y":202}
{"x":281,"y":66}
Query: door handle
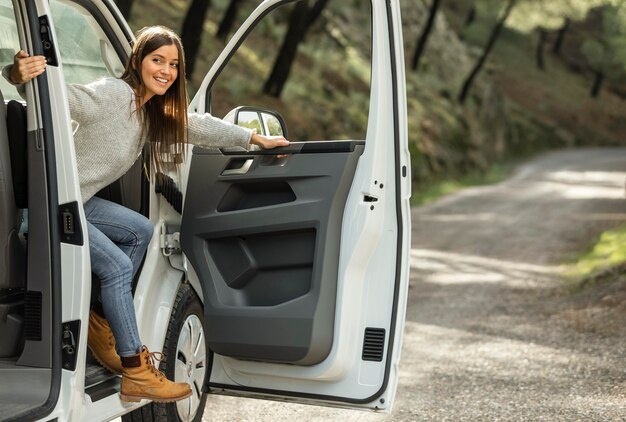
{"x":239,"y":171}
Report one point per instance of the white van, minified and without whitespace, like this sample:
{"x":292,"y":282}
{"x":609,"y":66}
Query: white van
{"x":274,"y":276}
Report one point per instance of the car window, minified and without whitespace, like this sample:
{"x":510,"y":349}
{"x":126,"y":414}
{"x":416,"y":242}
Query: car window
{"x":327,"y":90}
{"x":84,"y":49}
{"x":9,"y":45}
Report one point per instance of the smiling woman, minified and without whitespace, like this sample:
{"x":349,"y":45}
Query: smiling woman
{"x":153,"y":73}
{"x":159,"y":70}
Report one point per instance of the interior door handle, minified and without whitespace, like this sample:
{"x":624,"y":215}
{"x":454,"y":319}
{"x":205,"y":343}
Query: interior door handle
{"x":241,"y":170}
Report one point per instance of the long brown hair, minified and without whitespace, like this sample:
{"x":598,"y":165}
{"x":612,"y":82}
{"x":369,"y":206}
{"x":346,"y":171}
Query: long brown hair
{"x":164,"y":120}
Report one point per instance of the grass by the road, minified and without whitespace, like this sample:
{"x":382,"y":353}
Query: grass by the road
{"x":608,"y":252}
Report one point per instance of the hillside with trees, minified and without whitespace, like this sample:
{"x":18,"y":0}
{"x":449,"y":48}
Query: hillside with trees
{"x":487,"y":81}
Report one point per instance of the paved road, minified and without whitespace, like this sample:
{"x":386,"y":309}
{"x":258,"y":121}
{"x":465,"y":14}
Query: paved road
{"x":490,"y":334}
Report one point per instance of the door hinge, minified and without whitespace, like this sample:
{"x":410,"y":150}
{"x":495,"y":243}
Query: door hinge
{"x":46,"y":41}
{"x":169,"y":242}
{"x":69,"y":342}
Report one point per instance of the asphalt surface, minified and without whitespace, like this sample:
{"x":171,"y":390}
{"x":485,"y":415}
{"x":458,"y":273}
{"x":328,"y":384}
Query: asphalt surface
{"x":489,"y":333}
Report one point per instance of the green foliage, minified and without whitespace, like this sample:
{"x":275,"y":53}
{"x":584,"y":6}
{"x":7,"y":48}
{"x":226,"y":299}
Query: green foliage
{"x":608,"y":251}
{"x":595,"y":52}
{"x":274,"y":127}
{"x":531,"y":14}
{"x":252,"y":125}
{"x":606,"y":52}
{"x":489,"y":9}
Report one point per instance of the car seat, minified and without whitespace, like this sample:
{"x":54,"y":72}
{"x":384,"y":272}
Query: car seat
{"x":12,"y":248}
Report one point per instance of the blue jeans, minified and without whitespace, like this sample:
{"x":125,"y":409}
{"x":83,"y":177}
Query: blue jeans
{"x":118,"y":239}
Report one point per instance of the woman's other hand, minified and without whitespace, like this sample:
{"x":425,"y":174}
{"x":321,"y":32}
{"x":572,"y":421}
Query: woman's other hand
{"x":268,"y":142}
{"x":26,"y":67}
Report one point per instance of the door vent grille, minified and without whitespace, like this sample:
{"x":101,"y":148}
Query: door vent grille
{"x":32,"y":315}
{"x":373,"y":344}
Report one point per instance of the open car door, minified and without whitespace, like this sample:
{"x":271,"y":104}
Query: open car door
{"x":302,"y":257}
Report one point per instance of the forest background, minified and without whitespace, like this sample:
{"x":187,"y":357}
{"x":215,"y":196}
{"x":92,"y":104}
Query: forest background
{"x":489,"y":82}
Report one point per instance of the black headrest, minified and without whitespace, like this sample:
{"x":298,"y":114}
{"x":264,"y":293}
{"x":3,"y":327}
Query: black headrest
{"x":16,"y":128}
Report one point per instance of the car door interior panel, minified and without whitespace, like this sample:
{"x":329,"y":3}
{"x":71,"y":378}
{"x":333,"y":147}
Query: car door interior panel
{"x":265,"y":242}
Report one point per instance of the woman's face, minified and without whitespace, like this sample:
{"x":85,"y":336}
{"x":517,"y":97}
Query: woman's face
{"x":159,"y":70}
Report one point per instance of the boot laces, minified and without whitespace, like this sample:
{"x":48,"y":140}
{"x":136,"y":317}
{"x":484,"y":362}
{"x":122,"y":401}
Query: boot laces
{"x":151,"y":360}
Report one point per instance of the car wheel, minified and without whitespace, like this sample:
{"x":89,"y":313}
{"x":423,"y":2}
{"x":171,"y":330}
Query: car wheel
{"x":184,"y":360}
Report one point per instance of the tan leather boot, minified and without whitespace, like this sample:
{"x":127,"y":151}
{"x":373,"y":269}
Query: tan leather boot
{"x":142,"y":380}
{"x":102,"y":343}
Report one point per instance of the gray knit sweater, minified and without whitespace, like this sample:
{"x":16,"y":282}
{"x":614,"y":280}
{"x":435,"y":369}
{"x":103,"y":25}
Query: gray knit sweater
{"x":108,"y":138}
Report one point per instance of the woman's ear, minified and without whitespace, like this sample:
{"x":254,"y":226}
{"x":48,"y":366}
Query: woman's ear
{"x":135,"y":62}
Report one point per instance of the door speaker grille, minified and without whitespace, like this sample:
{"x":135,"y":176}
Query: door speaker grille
{"x":373,"y":344}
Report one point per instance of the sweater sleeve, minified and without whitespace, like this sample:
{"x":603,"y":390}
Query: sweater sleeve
{"x":96,"y":100}
{"x":6,"y":74}
{"x":87,"y":102}
{"x":211,"y":132}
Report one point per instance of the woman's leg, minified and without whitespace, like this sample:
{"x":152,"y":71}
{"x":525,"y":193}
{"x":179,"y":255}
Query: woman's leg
{"x":129,"y":230}
{"x":115,"y":270}
{"x":118,"y":238}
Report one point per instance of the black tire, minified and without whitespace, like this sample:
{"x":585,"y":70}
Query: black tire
{"x":187,"y":310}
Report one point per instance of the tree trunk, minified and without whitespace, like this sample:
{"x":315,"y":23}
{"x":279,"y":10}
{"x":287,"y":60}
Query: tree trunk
{"x":483,"y":58}
{"x":227,"y":21}
{"x":560,"y":36}
{"x":192,"y":31}
{"x":125,"y":6}
{"x":541,"y":42}
{"x":421,"y":42}
{"x":597,"y":84}
{"x":471,"y":16}
{"x":301,"y":19}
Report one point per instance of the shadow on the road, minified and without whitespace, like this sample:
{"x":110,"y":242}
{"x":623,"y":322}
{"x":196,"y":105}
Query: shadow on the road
{"x":481,"y":295}
{"x":492,"y":297}
{"x":545,"y":228}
